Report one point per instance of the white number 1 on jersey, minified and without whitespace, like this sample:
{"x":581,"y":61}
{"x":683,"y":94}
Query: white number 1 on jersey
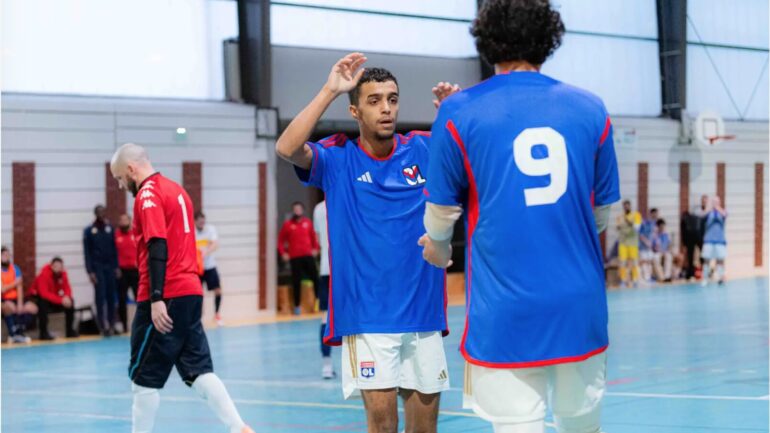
{"x":555,"y":164}
{"x":184,"y":214}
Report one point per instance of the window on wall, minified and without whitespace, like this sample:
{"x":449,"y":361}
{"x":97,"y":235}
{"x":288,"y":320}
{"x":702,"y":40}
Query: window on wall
{"x":611,"y":49}
{"x":432,"y":28}
{"x":142,"y":48}
{"x":727,"y":58}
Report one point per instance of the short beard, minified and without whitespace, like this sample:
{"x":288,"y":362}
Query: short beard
{"x":133,"y":187}
{"x":386,"y":136}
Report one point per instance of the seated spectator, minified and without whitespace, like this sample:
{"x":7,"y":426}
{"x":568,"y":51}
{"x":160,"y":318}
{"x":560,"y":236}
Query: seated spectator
{"x":54,"y":293}
{"x":661,"y":250}
{"x":17,"y":312}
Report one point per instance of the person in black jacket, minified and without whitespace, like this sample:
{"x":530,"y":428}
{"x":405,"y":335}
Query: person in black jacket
{"x":692,"y":229}
{"x":101,"y":260}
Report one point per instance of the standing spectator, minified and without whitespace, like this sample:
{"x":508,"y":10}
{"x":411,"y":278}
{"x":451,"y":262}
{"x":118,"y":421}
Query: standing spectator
{"x":692,"y":227}
{"x":661,"y":247}
{"x":714,"y":241}
{"x":646,"y":234}
{"x":52,"y":286}
{"x":297,"y":244}
{"x":125,"y":243}
{"x":17,"y":312}
{"x":101,"y":261}
{"x":319,"y":224}
{"x":628,"y":244}
{"x":207,"y":241}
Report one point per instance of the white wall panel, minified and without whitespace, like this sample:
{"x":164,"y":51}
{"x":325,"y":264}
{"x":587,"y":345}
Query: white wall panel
{"x":69,"y":182}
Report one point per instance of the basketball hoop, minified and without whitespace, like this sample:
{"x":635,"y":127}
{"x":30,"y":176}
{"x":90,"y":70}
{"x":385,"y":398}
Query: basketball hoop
{"x":719,"y":138}
{"x":709,"y":129}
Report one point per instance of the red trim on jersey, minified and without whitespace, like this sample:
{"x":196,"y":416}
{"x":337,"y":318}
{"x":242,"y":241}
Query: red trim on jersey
{"x":606,"y":131}
{"x":314,"y":163}
{"x":425,"y":192}
{"x":328,"y":340}
{"x":543,"y":363}
{"x":473,"y":219}
{"x":334,"y":140}
{"x":392,"y":151}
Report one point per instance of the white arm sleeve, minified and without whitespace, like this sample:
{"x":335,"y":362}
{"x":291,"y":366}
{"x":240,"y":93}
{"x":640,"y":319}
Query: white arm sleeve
{"x":602,"y":217}
{"x":440,"y":220}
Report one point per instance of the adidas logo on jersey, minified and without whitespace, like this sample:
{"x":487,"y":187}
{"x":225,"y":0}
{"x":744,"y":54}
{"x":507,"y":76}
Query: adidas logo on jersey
{"x":366,"y":178}
{"x":148,"y":204}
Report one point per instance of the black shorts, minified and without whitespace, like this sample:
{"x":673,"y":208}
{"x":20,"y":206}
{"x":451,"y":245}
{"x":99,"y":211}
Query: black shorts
{"x":323,"y":293}
{"x":153,"y":354}
{"x":211,"y":278}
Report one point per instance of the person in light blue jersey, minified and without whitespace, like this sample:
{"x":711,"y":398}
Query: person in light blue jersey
{"x":531,"y":163}
{"x":663,"y":260}
{"x":714,"y":241}
{"x":387,"y":306}
{"x":646,"y":235}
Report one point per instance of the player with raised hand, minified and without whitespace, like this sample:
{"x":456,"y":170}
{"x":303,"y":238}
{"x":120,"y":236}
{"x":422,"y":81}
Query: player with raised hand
{"x":387,"y":306}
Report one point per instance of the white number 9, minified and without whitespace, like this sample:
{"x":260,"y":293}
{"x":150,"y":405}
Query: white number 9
{"x":555,"y":164}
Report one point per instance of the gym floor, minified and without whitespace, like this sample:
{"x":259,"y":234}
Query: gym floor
{"x":682,"y":359}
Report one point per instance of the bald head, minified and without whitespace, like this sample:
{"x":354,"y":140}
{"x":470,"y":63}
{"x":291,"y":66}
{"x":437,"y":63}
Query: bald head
{"x":130,"y":165}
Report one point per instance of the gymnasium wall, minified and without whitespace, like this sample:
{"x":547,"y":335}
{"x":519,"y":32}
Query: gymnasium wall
{"x":70,"y":139}
{"x":655,"y":141}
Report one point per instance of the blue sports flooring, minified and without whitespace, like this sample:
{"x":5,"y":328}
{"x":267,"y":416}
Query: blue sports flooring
{"x":682,"y":359}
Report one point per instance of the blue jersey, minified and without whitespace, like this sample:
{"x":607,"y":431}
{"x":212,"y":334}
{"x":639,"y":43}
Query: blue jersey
{"x":647,"y":230}
{"x":379,"y":282}
{"x":715,"y":228}
{"x":525,"y":154}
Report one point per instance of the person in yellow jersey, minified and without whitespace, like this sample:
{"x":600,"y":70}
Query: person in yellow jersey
{"x":628,"y":225}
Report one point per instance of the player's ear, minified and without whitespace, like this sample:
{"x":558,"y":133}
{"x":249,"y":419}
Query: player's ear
{"x":353,"y":111}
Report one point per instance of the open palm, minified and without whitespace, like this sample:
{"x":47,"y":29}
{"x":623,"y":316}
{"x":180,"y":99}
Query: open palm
{"x":346,"y":73}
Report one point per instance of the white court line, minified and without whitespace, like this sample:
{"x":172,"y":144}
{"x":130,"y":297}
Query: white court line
{"x":334,"y":384}
{"x":684,"y":396}
{"x":124,"y":396}
{"x":76,"y":415}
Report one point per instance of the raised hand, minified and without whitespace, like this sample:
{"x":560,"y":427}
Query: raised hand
{"x":444,"y":90}
{"x":346,"y":73}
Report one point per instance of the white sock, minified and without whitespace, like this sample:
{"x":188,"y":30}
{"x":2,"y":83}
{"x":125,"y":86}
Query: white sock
{"x":214,"y":392}
{"x":706,"y":272}
{"x":327,"y":361}
{"x":720,"y":271}
{"x":146,"y":402}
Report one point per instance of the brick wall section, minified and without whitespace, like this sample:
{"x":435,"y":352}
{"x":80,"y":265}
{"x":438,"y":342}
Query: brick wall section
{"x":115,"y":199}
{"x":759,"y":212}
{"x":721,"y":183}
{"x":684,"y":186}
{"x":684,"y":191}
{"x":643,"y":188}
{"x":192,"y":181}
{"x":24,"y":241}
{"x":262,"y":235}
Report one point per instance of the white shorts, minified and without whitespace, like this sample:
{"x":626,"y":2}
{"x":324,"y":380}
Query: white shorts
{"x":714,"y":251}
{"x":645,"y":255}
{"x":414,"y":360}
{"x":519,"y":395}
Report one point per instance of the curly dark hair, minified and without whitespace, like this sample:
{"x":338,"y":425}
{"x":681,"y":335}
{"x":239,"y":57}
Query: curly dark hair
{"x":507,"y":30}
{"x":379,"y":75}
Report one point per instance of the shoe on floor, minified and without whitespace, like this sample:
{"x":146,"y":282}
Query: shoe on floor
{"x":297,"y":311}
{"x":218,"y":319}
{"x":47,"y":337}
{"x":21,"y":339}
